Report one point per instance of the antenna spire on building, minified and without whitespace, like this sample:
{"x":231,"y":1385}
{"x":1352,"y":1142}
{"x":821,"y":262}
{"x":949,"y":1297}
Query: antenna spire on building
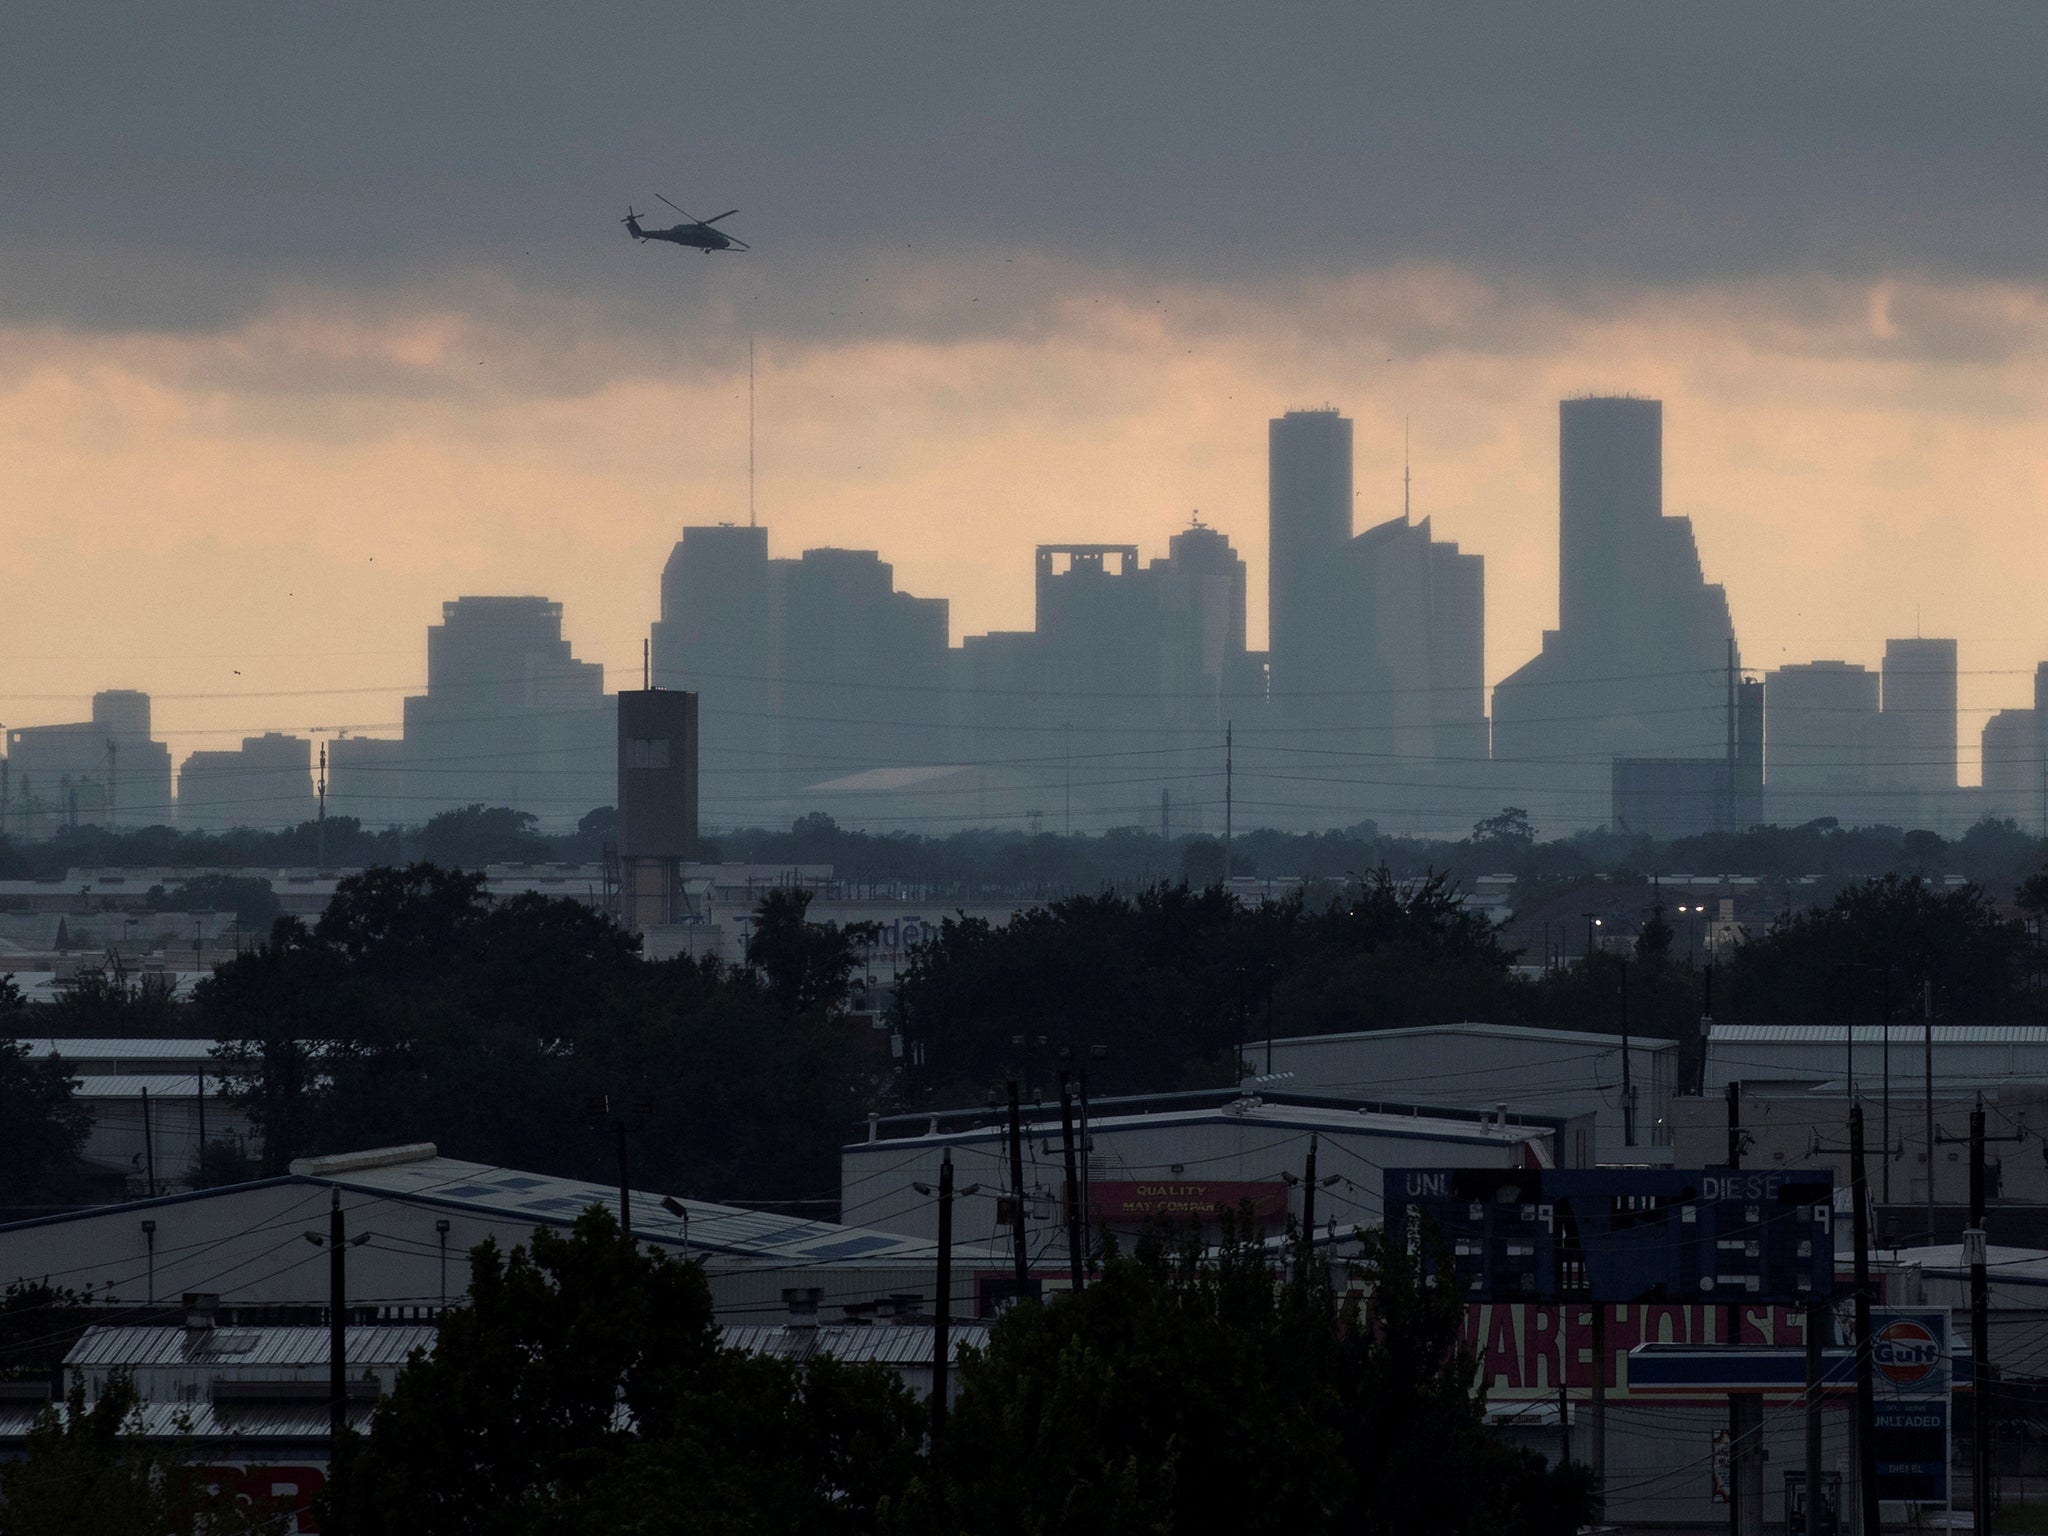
{"x":750,"y":433}
{"x":1404,"y":469}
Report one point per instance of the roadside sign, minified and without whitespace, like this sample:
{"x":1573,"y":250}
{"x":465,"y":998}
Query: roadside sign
{"x":1912,"y":1367}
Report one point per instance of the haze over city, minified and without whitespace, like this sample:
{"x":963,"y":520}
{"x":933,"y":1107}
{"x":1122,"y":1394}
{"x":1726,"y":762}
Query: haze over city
{"x":306,"y":334}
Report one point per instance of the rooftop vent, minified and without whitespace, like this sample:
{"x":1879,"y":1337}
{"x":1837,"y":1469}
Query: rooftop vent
{"x":359,"y":1162}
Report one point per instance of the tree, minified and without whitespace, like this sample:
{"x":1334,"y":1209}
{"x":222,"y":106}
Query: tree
{"x":1508,"y":829}
{"x":42,"y":1128}
{"x":808,"y":966}
{"x":80,"y":1475}
{"x":249,"y":897}
{"x":583,"y":1388}
{"x":1187,"y":1392}
{"x":1873,"y":953}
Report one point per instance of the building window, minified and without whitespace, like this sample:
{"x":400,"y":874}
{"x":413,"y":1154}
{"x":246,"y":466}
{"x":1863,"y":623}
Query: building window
{"x":647,"y":752}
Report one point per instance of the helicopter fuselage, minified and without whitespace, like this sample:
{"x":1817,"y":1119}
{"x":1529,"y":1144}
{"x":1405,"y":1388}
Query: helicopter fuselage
{"x":697,"y":236}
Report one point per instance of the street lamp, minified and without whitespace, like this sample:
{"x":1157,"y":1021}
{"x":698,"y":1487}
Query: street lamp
{"x":1592,"y":922}
{"x":1691,"y":915}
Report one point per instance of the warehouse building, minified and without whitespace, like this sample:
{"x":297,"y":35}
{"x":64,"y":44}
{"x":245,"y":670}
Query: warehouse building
{"x":1567,"y":1074}
{"x":1183,"y":1156}
{"x":420,"y":1214}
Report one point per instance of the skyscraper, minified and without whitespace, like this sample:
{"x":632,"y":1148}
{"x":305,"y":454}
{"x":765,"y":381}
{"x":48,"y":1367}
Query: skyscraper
{"x":1308,"y":521}
{"x":720,"y":636}
{"x":510,"y":716}
{"x":1822,"y":726}
{"x":1638,"y":664}
{"x":1920,"y":713}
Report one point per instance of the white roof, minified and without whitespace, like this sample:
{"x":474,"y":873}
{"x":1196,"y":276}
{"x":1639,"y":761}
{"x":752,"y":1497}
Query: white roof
{"x":1534,"y":1033}
{"x":541,"y":1199}
{"x":1913,"y":1034}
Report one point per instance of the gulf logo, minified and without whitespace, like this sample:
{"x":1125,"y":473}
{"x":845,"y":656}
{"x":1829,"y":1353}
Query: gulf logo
{"x":1905,"y":1352}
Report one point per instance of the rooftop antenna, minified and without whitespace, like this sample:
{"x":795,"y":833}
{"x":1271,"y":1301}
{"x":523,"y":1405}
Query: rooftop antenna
{"x":750,"y":433}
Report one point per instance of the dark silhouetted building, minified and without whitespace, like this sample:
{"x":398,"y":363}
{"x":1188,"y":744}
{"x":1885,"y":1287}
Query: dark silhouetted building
{"x":1638,"y":664}
{"x":266,"y":786}
{"x":510,"y":717}
{"x":657,"y":803}
{"x":1309,"y":491}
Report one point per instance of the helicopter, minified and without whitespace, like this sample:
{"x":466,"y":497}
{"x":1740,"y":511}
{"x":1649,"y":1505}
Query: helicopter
{"x":698,"y":232}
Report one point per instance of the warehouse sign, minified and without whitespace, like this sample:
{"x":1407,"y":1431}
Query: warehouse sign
{"x":1526,"y":1350}
{"x":1132,"y":1202}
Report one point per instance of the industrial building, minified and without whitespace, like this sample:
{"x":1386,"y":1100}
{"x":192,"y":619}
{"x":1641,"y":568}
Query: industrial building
{"x":424,"y":1213}
{"x":152,"y":1102}
{"x":1178,"y":1155}
{"x":1566,"y":1075}
{"x":657,"y":805}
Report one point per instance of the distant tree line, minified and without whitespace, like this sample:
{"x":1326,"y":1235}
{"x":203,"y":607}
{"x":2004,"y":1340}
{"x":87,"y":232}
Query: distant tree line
{"x":515,"y":1032}
{"x":1994,"y":853}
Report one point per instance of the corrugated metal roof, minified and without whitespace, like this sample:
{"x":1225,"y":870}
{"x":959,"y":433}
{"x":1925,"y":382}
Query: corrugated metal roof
{"x":1578,"y":1039}
{"x":109,"y":1085}
{"x":84,"y":1050}
{"x":896,"y":1344}
{"x":135,"y":1347}
{"x":1911,"y":1034}
{"x":724,"y":1230}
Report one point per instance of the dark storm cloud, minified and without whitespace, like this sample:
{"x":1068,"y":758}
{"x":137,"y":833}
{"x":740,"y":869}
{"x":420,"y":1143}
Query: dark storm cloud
{"x":168,"y":165}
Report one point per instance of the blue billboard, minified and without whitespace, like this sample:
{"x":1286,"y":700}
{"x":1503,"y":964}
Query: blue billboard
{"x":1623,"y":1234}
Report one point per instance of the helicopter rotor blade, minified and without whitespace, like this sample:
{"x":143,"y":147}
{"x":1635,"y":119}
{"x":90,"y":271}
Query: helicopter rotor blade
{"x":737,"y":243}
{"x":680,"y":209}
{"x":716,"y":217}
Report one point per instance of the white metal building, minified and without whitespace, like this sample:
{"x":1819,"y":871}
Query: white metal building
{"x":1823,"y":1057}
{"x":150,"y":1102}
{"x":1177,"y":1155}
{"x":1554,"y":1072}
{"x":422,"y":1214}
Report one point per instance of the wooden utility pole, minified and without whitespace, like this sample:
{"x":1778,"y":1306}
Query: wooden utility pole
{"x":1018,"y":1254}
{"x":1073,"y":1182}
{"x":942,"y":1302}
{"x":1980,"y":1328}
{"x":1866,"y":1386}
{"x":1308,"y":1212}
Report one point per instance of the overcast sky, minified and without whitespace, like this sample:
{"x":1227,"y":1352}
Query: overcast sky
{"x":314,"y":316}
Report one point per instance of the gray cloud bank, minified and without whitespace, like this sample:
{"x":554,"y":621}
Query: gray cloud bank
{"x":171,"y":166}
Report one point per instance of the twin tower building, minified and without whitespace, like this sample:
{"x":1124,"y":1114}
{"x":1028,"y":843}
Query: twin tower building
{"x":823,"y":687}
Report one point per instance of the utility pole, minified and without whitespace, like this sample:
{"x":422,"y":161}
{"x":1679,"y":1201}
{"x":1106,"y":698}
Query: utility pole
{"x":1628,"y":1090}
{"x":202,"y":1120}
{"x":1816,"y":1318}
{"x":1980,"y":1327}
{"x":1228,"y":729}
{"x":148,"y":1147}
{"x":1073,"y":1190}
{"x":1741,"y":1476}
{"x":625,"y":1183}
{"x":113,"y":781}
{"x":1308,"y":1212}
{"x":1866,"y":1386}
{"x":320,"y":814}
{"x":942,"y":1303}
{"x":1927,"y":1084}
{"x":1017,"y":1195}
{"x":337,"y":1330}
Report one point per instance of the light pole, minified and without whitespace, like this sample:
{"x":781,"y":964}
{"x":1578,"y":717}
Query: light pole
{"x":1592,"y":922}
